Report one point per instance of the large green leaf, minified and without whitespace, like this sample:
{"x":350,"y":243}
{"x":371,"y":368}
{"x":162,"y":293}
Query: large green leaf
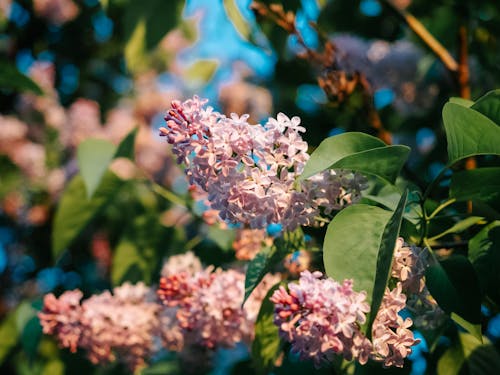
{"x":454,"y":284}
{"x":489,"y":105}
{"x":469,"y":133}
{"x":94,"y":156}
{"x":359,"y":245}
{"x":359,"y":152}
{"x":266,"y":345}
{"x":75,"y":210}
{"x":13,"y":79}
{"x":477,"y":184}
{"x":484,"y":253}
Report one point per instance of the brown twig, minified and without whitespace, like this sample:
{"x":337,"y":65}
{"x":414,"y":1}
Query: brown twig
{"x":337,"y":84}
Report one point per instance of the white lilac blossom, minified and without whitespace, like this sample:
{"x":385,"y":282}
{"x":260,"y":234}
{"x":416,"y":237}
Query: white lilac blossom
{"x":250,"y":172}
{"x":322,"y":318}
{"x":107,"y":326}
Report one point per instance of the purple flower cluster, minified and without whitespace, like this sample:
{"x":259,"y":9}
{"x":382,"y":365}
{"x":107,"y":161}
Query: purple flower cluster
{"x":106,"y":325}
{"x":322,"y":318}
{"x":250,"y":171}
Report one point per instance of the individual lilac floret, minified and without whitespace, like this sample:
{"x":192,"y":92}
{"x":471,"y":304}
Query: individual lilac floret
{"x":322,"y":318}
{"x":249,"y":171}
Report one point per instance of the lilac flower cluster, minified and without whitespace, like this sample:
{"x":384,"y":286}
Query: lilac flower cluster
{"x":207,"y":305}
{"x":408,"y":267}
{"x":250,"y":171}
{"x":106,"y":325}
{"x":322,"y":318}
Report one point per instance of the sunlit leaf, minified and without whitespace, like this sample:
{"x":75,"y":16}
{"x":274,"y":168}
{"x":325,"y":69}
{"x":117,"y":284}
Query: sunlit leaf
{"x":201,"y":71}
{"x":128,"y":264}
{"x":75,"y":211}
{"x":126,"y":147}
{"x":469,"y":133}
{"x":461,"y":101}
{"x":94,"y":156}
{"x":239,"y":22}
{"x":460,"y":226}
{"x":9,"y":335}
{"x":359,"y":152}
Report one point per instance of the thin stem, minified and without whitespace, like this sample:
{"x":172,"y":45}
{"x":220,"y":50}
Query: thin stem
{"x":193,"y":242}
{"x":168,"y":195}
{"x":421,"y":31}
{"x":440,"y":208}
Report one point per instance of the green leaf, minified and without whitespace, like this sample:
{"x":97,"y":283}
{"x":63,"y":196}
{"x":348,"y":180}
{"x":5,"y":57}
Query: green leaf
{"x":145,"y":24}
{"x":459,"y":226}
{"x":384,"y":259}
{"x":489,"y":105}
{"x":126,"y":146}
{"x":257,"y":269}
{"x":75,"y":211}
{"x":128,"y":263}
{"x":239,"y":22}
{"x":13,"y":79}
{"x":478,"y":184}
{"x":455,"y":286}
{"x":166,"y":367}
{"x":366,"y":258}
{"x":461,"y":101}
{"x":201,"y":71}
{"x":484,"y":253}
{"x":54,"y":367}
{"x":469,"y":133}
{"x":266,"y":345}
{"x":29,"y":326}
{"x":468,"y":356}
{"x":94,"y":156}
{"x":223,"y":238}
{"x":359,"y":152}
{"x":9,"y":335}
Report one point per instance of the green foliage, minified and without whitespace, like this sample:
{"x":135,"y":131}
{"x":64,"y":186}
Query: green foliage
{"x":9,"y":335}
{"x":478,"y":184}
{"x":366,"y":259}
{"x":75,"y":210}
{"x":489,"y":105}
{"x":257,"y":268}
{"x":454,"y":284}
{"x":266,"y":344}
{"x":13,"y":79}
{"x":359,"y":152}
{"x":469,"y":133}
{"x":94,"y":156}
{"x":126,"y":147}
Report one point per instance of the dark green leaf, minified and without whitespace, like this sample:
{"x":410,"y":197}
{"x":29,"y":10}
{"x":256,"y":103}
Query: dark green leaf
{"x":469,"y":133}
{"x":257,"y":268}
{"x":477,"y":184}
{"x":94,"y":156}
{"x":75,"y":211}
{"x":13,"y":79}
{"x":455,"y":286}
{"x":266,"y":345}
{"x":460,"y":226}
{"x":484,"y":253}
{"x":359,"y":152}
{"x":489,"y":105}
{"x":126,"y":146}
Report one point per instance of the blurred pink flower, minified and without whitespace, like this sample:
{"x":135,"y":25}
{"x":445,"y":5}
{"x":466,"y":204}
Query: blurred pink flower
{"x":57,"y":12}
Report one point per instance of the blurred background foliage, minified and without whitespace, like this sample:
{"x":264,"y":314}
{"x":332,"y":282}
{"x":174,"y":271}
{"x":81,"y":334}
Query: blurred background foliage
{"x":73,"y":70}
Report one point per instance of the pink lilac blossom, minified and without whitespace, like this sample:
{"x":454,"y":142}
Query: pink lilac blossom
{"x":321,"y":317}
{"x":208,"y":304}
{"x":250,"y":171}
{"x":249,"y":242}
{"x":107,"y":326}
{"x":57,"y":12}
